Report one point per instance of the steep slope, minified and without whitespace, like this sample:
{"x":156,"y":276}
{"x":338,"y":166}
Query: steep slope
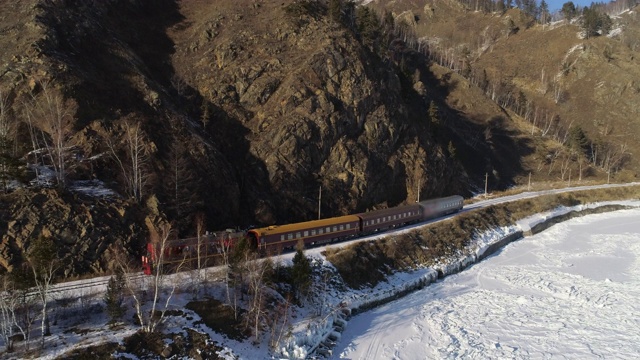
{"x":242,"y":111}
{"x":549,"y":75}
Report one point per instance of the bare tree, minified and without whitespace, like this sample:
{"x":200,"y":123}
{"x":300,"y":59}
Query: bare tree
{"x":280,"y":325}
{"x":43,"y":260}
{"x":54,"y":118}
{"x":201,"y":250}
{"x":152,"y":314}
{"x":552,"y":159}
{"x":26,"y":310}
{"x":180,"y":181}
{"x":565,"y":166}
{"x":9,"y":303}
{"x":224,"y":248}
{"x":132,"y":158}
{"x":7,"y":124}
{"x":9,"y":161}
{"x":257,"y":272}
{"x":33,"y":135}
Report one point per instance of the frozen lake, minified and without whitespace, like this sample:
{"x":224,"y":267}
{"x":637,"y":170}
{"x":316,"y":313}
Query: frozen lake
{"x":570,"y":292}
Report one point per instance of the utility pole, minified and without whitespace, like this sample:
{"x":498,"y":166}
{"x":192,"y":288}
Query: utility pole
{"x":529,"y":186}
{"x":319,"y":200}
{"x":486,"y":181}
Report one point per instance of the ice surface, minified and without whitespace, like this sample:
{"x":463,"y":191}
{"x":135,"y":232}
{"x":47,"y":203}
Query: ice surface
{"x":569,"y":292}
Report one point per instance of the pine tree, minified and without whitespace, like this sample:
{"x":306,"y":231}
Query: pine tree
{"x":568,"y":10}
{"x":593,"y":23}
{"x":301,"y":272}
{"x":578,"y":140}
{"x":545,"y":16}
{"x":114,"y":297}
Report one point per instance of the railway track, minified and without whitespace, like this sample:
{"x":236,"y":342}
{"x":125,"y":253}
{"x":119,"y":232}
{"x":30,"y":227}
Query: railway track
{"x":84,"y":286}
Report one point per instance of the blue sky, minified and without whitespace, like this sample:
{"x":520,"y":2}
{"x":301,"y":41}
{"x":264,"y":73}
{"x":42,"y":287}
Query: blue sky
{"x":557,"y":4}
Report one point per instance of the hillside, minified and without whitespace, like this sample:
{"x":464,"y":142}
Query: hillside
{"x":559,"y":76}
{"x":243,"y":110}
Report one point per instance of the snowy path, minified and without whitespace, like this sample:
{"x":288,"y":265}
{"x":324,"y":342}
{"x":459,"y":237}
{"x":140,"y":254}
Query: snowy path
{"x":569,"y":292}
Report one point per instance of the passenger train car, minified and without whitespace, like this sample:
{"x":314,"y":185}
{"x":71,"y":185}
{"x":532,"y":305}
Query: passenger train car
{"x":274,"y":239}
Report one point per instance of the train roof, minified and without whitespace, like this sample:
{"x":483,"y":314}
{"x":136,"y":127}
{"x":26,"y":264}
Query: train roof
{"x":438,"y":200}
{"x":276,"y":229}
{"x":388,"y":211}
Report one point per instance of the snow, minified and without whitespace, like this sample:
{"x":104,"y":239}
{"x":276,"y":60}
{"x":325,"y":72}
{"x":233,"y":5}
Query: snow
{"x":95,"y":188}
{"x":615,"y":32}
{"x":570,"y":290}
{"x":567,"y":292}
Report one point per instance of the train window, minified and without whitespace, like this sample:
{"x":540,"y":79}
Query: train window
{"x":298,"y":236}
{"x":378,"y":220}
{"x":290,"y":236}
{"x":306,"y":233}
{"x":341,"y":227}
{"x":328,"y":229}
{"x":320,"y":231}
{"x":282,"y":237}
{"x":313,"y":232}
{"x":335,"y":228}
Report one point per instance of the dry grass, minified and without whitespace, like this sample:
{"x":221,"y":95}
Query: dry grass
{"x":367,"y":263}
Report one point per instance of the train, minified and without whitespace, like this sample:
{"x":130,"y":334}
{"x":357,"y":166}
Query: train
{"x":277,"y":238}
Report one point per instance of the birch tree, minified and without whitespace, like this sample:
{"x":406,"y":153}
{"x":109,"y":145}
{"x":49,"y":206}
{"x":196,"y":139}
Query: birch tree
{"x":132,"y":158}
{"x":258,"y":272}
{"x":151,"y":312}
{"x":53,"y":117}
{"x":43,"y":260}
{"x":9,"y":302}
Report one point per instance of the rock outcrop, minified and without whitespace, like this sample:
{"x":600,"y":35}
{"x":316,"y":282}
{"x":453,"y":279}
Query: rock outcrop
{"x":86,"y":231}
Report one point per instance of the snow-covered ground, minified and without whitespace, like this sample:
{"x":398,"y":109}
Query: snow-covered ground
{"x":568,"y":292}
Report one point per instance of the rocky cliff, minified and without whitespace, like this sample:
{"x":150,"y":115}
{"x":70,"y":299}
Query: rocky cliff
{"x":240,"y":110}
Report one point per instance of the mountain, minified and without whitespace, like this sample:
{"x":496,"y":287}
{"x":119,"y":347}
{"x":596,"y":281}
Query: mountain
{"x":248,"y":112}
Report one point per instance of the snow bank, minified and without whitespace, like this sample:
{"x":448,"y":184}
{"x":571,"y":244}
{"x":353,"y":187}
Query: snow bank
{"x":482,"y":245}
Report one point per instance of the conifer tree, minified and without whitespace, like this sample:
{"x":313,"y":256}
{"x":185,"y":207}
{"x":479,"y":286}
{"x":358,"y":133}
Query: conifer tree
{"x":114,"y":297}
{"x":301,"y":271}
{"x":568,"y":10}
{"x":545,"y":16}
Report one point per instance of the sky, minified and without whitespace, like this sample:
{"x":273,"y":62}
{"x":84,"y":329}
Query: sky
{"x":557,"y":4}
{"x":566,"y":292}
